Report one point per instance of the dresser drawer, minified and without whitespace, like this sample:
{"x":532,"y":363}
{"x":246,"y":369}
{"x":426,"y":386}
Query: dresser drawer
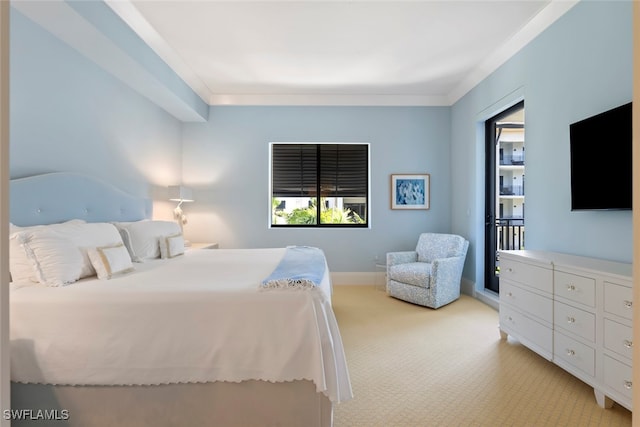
{"x":618,"y":300}
{"x":574,"y":320}
{"x":574,"y":353}
{"x":575,"y":288}
{"x":527,"y":274}
{"x":618,"y":338}
{"x":527,"y":331}
{"x":529,"y":302}
{"x":618,"y":376}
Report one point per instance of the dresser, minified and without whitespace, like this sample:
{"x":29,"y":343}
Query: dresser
{"x":574,"y":311}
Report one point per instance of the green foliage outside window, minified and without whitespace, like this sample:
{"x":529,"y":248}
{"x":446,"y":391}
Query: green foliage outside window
{"x":307,"y":216}
{"x":302,"y":216}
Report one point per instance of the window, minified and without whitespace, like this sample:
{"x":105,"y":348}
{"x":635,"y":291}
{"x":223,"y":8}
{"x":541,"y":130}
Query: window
{"x":337,"y":174}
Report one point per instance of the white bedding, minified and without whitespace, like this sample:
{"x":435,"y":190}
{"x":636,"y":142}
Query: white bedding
{"x":200,"y":317}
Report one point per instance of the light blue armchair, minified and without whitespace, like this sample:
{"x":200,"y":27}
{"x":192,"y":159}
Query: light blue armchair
{"x":430,"y":275}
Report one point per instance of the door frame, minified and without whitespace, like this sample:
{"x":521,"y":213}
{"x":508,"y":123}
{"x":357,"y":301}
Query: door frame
{"x":491,"y":279}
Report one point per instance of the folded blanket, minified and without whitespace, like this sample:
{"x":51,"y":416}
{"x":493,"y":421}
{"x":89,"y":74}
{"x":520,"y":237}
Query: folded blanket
{"x":301,"y":267}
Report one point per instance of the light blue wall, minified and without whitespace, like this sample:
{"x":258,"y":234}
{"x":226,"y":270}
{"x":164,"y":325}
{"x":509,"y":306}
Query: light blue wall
{"x":580,"y":66}
{"x":67,"y":114}
{"x":100,"y":15}
{"x":227,"y":162}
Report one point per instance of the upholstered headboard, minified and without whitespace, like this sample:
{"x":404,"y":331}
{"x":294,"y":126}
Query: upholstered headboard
{"x":61,"y":196}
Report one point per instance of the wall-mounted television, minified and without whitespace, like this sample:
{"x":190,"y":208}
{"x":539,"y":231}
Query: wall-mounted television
{"x":601,"y":164}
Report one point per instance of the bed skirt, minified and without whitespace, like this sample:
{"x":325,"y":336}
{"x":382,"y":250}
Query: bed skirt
{"x":221,"y":404}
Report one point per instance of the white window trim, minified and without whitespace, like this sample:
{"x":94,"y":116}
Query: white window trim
{"x":270,"y":187}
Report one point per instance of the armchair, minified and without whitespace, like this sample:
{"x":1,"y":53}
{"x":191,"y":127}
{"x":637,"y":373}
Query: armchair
{"x":430,"y":275}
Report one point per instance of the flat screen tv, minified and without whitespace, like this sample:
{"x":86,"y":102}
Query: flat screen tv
{"x":601,"y":164}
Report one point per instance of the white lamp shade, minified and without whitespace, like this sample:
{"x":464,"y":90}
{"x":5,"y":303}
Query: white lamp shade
{"x":179,"y":193}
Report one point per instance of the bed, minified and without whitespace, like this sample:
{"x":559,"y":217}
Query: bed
{"x":186,"y":337}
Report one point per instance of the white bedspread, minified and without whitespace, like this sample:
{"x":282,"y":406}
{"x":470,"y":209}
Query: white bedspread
{"x":200,"y":317}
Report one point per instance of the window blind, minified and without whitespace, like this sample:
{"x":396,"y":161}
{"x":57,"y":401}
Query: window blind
{"x":340,"y":170}
{"x":343,"y":170}
{"x":294,"y":170}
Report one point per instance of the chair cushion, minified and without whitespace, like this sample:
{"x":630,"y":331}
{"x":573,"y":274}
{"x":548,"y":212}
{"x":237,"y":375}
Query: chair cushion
{"x":435,"y":246}
{"x":413,"y":273}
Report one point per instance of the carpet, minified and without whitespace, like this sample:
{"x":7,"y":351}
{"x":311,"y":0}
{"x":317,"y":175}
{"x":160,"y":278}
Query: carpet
{"x":414,"y":366}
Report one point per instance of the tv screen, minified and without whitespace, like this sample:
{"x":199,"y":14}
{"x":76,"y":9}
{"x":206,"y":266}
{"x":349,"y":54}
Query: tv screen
{"x":601,"y":164}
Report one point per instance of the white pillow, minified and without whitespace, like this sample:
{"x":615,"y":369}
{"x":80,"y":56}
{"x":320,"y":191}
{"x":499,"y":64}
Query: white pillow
{"x":110,"y":260}
{"x":81,"y":234}
{"x":55,"y":259}
{"x":142,"y":237}
{"x":92,"y":235}
{"x":19,"y":265}
{"x":171,"y":246}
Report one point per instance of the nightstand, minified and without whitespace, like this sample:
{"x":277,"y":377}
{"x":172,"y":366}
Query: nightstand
{"x":202,"y":245}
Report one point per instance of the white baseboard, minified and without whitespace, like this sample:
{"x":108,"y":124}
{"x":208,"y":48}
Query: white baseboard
{"x":358,"y":278}
{"x":467,"y":287}
{"x":378,"y":278}
{"x":351,"y":278}
{"x":489,"y":298}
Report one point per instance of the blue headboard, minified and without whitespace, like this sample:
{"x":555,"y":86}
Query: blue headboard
{"x":61,"y":196}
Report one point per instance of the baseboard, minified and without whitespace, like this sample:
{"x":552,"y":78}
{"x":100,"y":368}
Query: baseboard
{"x":378,"y":278}
{"x":351,"y":278}
{"x":357,"y":278}
{"x":489,"y":298}
{"x":467,"y":287}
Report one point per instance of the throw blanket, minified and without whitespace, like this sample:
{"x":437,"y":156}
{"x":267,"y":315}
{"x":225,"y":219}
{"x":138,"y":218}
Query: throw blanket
{"x":301,"y":267}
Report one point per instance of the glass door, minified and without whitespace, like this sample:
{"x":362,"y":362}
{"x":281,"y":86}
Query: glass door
{"x":504,"y":189}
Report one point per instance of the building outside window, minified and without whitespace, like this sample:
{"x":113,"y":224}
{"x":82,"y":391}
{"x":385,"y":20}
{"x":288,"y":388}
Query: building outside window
{"x":511,"y":170}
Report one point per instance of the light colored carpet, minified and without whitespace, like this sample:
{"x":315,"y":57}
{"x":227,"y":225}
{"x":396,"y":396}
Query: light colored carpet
{"x":413,"y":366}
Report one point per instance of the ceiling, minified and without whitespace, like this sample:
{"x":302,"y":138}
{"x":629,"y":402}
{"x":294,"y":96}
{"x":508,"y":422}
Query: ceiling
{"x":336,"y":52}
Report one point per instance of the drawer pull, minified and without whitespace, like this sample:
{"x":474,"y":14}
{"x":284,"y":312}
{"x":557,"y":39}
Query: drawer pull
{"x":628,"y":304}
{"x":571,"y":320}
{"x":510,"y":294}
{"x":627,"y":343}
{"x":510,"y":270}
{"x":510,"y":319}
{"x":571,"y":287}
{"x":571,"y":352}
{"x":628,"y":384}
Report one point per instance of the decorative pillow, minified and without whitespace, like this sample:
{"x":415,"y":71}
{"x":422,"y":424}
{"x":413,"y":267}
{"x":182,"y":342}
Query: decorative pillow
{"x":142,"y":237}
{"x":19,"y":264}
{"x":55,"y":259}
{"x":110,"y":260}
{"x":171,"y":246}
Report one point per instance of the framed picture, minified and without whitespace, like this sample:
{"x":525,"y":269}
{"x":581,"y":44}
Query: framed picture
{"x":410,"y":191}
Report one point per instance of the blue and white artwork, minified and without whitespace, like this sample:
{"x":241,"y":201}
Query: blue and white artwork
{"x":410,"y":192}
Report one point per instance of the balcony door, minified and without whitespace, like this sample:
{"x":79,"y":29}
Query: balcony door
{"x":504,"y":189}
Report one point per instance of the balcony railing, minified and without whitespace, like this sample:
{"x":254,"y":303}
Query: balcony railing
{"x":510,"y":233}
{"x":512,"y":190}
{"x":512,"y":160}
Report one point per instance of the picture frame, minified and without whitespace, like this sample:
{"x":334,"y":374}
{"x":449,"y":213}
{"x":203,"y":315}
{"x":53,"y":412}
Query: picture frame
{"x":410,"y":191}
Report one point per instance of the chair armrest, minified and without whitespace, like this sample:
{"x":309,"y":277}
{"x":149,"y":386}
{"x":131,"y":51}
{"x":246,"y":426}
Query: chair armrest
{"x":447,"y":270}
{"x":404,"y":257}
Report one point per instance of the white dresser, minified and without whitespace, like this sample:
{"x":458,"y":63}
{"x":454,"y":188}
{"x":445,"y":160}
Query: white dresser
{"x":574,"y":311}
